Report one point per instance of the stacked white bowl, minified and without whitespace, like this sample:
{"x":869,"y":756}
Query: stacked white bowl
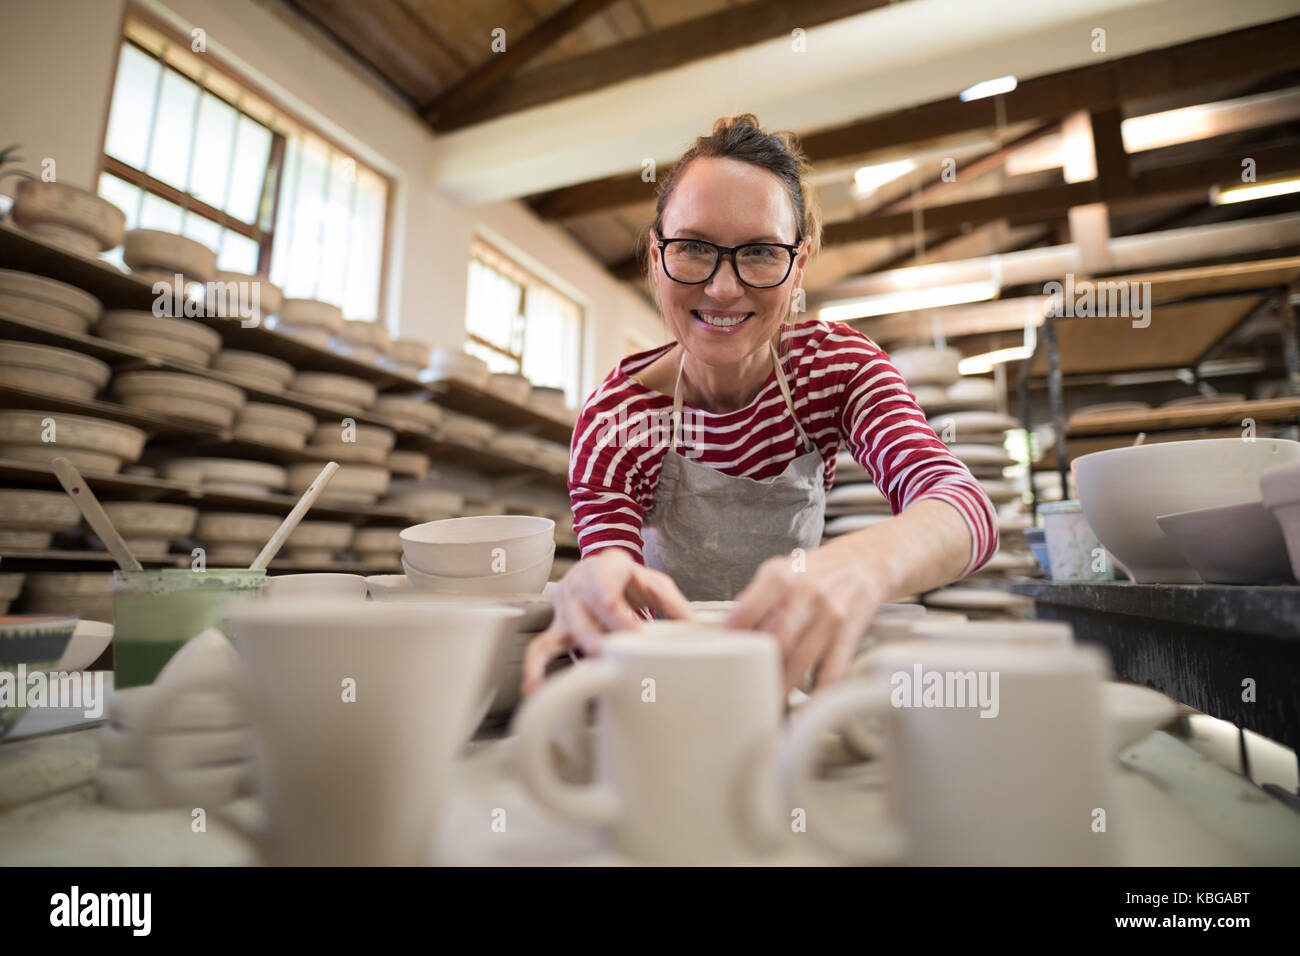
{"x":47,"y":302}
{"x":486,"y":554}
{"x":255,"y":370}
{"x":47,"y":370}
{"x":227,"y":475}
{"x":310,"y":321}
{"x":180,"y":395}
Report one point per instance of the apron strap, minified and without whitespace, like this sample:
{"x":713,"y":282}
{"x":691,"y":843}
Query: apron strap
{"x":780,"y":381}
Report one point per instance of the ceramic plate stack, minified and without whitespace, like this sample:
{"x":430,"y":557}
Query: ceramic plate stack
{"x":11,"y":585}
{"x":270,"y":424}
{"x":351,"y":484}
{"x":237,"y":290}
{"x":423,"y":502}
{"x":148,"y":528}
{"x":178,"y":395}
{"x":46,"y":370}
{"x":207,"y":744}
{"x":362,"y":340}
{"x":155,"y":255}
{"x":165,"y":336}
{"x":549,"y":400}
{"x":73,"y":219}
{"x":409,"y":356}
{"x":47,"y":302}
{"x":415,"y":464}
{"x":30,"y":519}
{"x":412,"y":412}
{"x":318,"y":542}
{"x":86,"y":595}
{"x":454,"y":365}
{"x":310,"y":321}
{"x":465,"y":429}
{"x":342,"y":391}
{"x":378,"y":547}
{"x":233,"y":476}
{"x":515,"y":446}
{"x":511,"y":386}
{"x":233,"y":540}
{"x":92,"y":444}
{"x":353,"y":444}
{"x":255,"y":370}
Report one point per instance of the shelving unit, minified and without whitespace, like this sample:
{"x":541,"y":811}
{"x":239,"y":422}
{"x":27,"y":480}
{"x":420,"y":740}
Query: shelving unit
{"x":168,"y":436}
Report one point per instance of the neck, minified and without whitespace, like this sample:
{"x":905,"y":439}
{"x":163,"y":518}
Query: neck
{"x":725,"y":388}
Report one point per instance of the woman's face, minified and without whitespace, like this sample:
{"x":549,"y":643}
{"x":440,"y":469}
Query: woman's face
{"x":727,"y":202}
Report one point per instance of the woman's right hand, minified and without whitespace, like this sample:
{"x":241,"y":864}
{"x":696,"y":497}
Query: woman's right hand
{"x":599,"y":595}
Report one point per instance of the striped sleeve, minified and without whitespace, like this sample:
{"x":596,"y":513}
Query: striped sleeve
{"x":886,"y":432}
{"x":605,"y":480}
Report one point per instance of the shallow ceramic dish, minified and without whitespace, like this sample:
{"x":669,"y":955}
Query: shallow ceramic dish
{"x":377,"y":539}
{"x":179,"y":385}
{"x":976,"y":599}
{"x":410,"y":412}
{"x":1280,"y":488}
{"x":411,"y":352}
{"x":89,"y":640}
{"x":337,"y":388}
{"x":927,"y":366}
{"x":324,"y":584}
{"x":155,"y":249}
{"x":136,"y":519}
{"x":465,"y":547}
{"x":45,"y":512}
{"x":511,"y":386}
{"x":38,"y":312}
{"x":348,"y":453}
{"x":1123,"y":490}
{"x":329,"y":535}
{"x":24,"y":285}
{"x":958,"y":426}
{"x":526,"y":580}
{"x":73,"y":433}
{"x":312,"y":313}
{"x":164,"y":332}
{"x":37,"y":642}
{"x":277,"y":416}
{"x":208,"y":471}
{"x":1236,"y":544}
{"x":367,"y":480}
{"x":38,"y":203}
{"x":414,"y":463}
{"x":993,"y":455}
{"x":233,"y":361}
{"x":369,"y":436}
{"x":929,"y":396}
{"x":50,"y":370}
{"x":539,"y":608}
{"x":230,"y":528}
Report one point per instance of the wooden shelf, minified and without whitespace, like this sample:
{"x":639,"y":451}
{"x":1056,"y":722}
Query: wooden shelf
{"x":470,"y":400}
{"x":58,"y":559}
{"x":1218,"y":415}
{"x":151,"y":423}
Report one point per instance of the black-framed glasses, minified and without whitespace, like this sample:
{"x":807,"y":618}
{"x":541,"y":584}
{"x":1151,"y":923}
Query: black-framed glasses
{"x":759,"y":265}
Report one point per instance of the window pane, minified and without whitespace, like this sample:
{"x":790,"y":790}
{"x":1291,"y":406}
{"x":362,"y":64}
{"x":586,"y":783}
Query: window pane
{"x":287,"y":216}
{"x":123,"y":195}
{"x":216,"y":140}
{"x":252,"y":153}
{"x":336,"y":235}
{"x":169,"y":156}
{"x":158,"y":213}
{"x":496,"y":362}
{"x":129,"y":120}
{"x":238,"y":254}
{"x":494,"y":303}
{"x":202,"y":230}
{"x":303,"y":267}
{"x":366,"y":252}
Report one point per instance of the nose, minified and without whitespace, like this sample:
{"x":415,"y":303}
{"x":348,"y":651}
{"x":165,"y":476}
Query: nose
{"x":725,"y":284}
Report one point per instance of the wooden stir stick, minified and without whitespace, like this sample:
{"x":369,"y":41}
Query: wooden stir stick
{"x":94,"y":514}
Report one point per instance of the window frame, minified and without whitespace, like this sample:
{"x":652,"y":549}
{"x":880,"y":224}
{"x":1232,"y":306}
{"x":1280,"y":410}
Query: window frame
{"x":263,"y":235}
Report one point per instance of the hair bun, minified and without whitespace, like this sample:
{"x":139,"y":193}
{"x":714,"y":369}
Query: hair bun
{"x":727,"y":122}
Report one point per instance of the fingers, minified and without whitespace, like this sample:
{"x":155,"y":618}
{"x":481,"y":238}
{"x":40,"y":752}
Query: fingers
{"x":835,"y":665}
{"x":756,"y":601}
{"x":549,"y":644}
{"x":811,"y":647}
{"x":657,"y":590}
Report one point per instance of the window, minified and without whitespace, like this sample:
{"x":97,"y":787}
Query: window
{"x":191,"y":150}
{"x":517,"y":323}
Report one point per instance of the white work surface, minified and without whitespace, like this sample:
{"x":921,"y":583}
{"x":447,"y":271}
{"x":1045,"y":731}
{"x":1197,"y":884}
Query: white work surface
{"x":1171,"y":807}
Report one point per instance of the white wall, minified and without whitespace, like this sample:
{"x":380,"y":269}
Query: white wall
{"x":56,"y":60}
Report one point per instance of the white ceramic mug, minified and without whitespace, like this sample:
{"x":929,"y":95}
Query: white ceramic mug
{"x":687,"y":720}
{"x":1026,"y":785}
{"x":359,"y":708}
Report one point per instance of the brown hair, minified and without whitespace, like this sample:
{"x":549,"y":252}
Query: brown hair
{"x":741,"y":138}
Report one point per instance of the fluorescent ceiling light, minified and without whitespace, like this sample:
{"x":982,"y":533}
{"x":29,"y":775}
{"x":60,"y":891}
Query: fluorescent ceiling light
{"x":909,"y":301}
{"x":1281,"y":187}
{"x":981,"y":364}
{"x":867,"y":179}
{"x":1003,"y":84}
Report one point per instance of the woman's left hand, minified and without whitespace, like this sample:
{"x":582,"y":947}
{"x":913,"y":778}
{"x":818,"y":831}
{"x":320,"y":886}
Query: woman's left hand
{"x":818,"y":604}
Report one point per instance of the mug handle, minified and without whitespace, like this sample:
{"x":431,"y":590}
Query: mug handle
{"x":826,"y":712}
{"x":536,"y":725}
{"x":159,"y":776}
{"x":860,"y":737}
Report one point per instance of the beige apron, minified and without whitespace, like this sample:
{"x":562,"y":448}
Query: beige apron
{"x":709,"y":532}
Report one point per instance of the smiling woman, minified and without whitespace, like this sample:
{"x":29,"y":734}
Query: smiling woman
{"x":744,"y":413}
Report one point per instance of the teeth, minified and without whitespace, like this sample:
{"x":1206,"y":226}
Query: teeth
{"x":721,"y":321}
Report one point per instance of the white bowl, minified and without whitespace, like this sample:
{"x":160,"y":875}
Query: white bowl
{"x":1123,"y":490}
{"x":349,"y":480}
{"x":312,"y":313}
{"x":527,"y":580}
{"x":210,"y":471}
{"x":39,"y":203}
{"x":44,"y":368}
{"x":234,"y":361}
{"x":342,"y":389}
{"x":1236,"y":544}
{"x":466,"y":547}
{"x":153,"y":249}
{"x":50,"y":314}
{"x":24,"y":285}
{"x":1280,"y":488}
{"x":88,"y":641}
{"x":122,"y":443}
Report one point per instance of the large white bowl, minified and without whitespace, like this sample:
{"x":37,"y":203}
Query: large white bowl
{"x":527,"y":580}
{"x":464,"y":547}
{"x":1123,"y":490}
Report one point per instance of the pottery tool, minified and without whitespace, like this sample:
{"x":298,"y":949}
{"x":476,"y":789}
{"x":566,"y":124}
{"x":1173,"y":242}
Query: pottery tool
{"x":94,"y":514}
{"x":272,"y":547}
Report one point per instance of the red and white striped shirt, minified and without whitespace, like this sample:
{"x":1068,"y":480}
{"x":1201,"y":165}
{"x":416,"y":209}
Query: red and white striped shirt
{"x":844,"y":389}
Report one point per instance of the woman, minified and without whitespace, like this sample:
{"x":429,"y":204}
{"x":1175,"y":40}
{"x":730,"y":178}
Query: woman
{"x":730,"y":502}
